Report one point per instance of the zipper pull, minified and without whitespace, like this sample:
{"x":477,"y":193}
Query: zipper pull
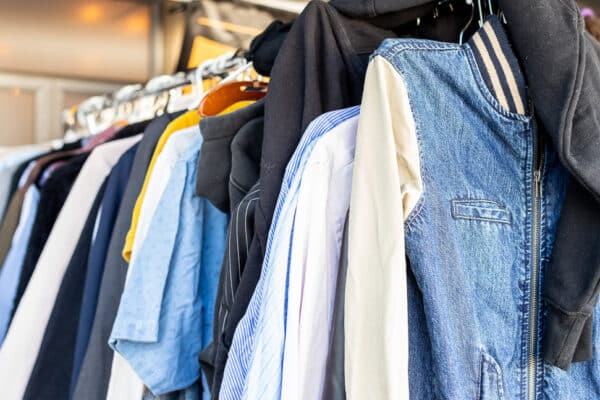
{"x":538,"y":182}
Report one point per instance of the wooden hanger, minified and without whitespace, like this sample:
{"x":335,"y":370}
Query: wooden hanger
{"x":227,"y":94}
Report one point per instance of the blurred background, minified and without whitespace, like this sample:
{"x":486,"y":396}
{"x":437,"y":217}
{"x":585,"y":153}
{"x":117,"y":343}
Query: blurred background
{"x":55,"y":54}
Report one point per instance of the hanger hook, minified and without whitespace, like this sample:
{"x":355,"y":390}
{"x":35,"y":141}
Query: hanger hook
{"x":480,"y":13}
{"x":462,"y":32}
{"x":491,"y":8}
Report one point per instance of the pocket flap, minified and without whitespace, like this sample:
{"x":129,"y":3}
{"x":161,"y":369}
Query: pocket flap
{"x":480,"y":210}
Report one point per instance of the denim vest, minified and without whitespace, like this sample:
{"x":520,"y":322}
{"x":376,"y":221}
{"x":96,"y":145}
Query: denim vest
{"x":480,"y":237}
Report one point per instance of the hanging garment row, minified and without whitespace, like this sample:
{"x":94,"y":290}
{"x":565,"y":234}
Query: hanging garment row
{"x":410,"y":212}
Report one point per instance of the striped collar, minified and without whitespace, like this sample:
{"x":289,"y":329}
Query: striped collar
{"x":499,"y":66}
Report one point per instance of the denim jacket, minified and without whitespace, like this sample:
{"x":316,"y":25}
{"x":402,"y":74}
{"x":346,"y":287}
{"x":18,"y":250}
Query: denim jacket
{"x":451,"y":171}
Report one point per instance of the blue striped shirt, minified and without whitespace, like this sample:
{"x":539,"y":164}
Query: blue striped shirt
{"x":253,"y":369}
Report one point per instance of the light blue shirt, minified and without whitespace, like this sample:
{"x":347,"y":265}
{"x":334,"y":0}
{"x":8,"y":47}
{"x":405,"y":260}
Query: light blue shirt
{"x":13,"y":264}
{"x":261,"y":360}
{"x":165,"y":315}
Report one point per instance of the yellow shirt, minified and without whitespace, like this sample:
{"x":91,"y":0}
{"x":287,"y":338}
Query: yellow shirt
{"x":184,"y":121}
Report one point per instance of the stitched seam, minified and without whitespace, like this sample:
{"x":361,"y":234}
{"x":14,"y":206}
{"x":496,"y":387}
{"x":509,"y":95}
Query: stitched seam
{"x":492,"y":364}
{"x":569,"y":113}
{"x":570,"y":6}
{"x":480,"y":377}
{"x":483,"y":219}
{"x":487,"y":94}
{"x":237,"y":185}
{"x":577,"y":314}
{"x":560,"y":355}
{"x":471,"y":200}
{"x":408,"y":225}
{"x":415,"y":212}
{"x":403,"y":46}
{"x":459,"y":215}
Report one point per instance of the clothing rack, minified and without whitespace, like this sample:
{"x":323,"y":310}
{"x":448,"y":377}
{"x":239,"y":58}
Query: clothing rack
{"x":386,"y":227}
{"x":225,"y":66}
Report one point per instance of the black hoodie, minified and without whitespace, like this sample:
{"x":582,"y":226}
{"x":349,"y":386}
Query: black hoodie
{"x":562,"y":65}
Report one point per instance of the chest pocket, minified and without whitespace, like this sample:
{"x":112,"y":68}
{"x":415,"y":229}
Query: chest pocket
{"x":480,"y":210}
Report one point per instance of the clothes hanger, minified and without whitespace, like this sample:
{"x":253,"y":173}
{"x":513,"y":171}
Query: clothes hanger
{"x":88,"y":113}
{"x":229,"y":93}
{"x":154,"y":96}
{"x":463,"y":30}
{"x":481,"y":17}
{"x":212,"y":68}
{"x":230,"y":90}
{"x":123,"y":101}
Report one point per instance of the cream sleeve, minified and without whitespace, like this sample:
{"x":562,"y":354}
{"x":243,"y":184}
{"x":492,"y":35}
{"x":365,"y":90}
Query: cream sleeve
{"x":386,"y":187}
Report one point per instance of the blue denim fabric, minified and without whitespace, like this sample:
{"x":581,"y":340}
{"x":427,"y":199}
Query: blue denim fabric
{"x":165,"y":311}
{"x":11,"y":270}
{"x":266,"y":310}
{"x":470,"y":240}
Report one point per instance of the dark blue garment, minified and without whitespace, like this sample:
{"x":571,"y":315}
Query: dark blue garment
{"x":115,"y":187}
{"x":50,"y":376}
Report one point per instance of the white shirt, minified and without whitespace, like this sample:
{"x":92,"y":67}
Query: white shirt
{"x":124,"y":382}
{"x":22,"y":344}
{"x":323,"y":201}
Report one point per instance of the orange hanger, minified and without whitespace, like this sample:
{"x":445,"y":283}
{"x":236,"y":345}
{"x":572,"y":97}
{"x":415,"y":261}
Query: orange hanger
{"x":227,"y":94}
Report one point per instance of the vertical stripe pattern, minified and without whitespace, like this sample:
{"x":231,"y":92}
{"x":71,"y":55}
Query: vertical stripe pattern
{"x":499,"y":66}
{"x":257,"y":348}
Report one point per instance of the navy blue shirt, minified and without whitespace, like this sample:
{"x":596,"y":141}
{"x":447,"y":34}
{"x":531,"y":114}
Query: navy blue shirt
{"x":115,"y":187}
{"x":50,"y":375}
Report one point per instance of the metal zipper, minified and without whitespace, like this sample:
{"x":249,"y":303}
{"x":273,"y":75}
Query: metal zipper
{"x":535,"y":268}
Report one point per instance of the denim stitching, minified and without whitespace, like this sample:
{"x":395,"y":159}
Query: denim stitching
{"x":526,"y":185}
{"x":419,"y":206}
{"x":480,"y":375}
{"x":415,"y":213}
{"x":456,"y":214}
{"x":396,"y":48}
{"x":482,"y":219}
{"x":491,"y":363}
{"x":393,"y":47}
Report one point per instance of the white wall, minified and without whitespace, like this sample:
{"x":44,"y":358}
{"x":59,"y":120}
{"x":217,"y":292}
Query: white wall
{"x":31,"y":106}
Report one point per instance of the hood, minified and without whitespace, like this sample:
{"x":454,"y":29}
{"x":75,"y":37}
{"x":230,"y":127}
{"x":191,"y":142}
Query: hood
{"x":562,"y":65}
{"x":372,"y":8}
